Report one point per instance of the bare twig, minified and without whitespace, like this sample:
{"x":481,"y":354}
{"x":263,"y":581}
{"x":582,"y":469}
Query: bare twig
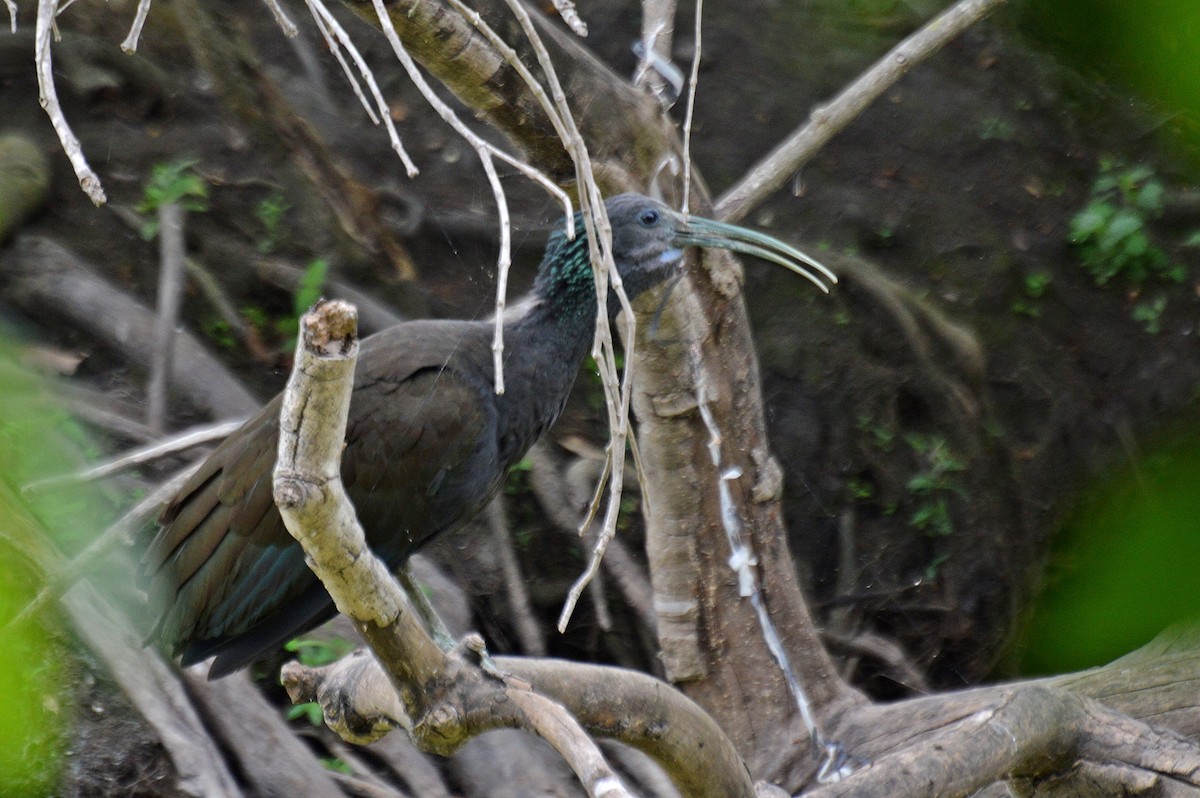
{"x":11,"y":5}
{"x":526,"y":625}
{"x":693,"y":80}
{"x":566,"y":10}
{"x":337,"y":38}
{"x":44,"y":275}
{"x":196,"y":436}
{"x":117,"y":534}
{"x":654,"y":49}
{"x":48,"y":97}
{"x":825,"y":122}
{"x":550,"y":721}
{"x":282,"y":19}
{"x":135,"y":32}
{"x":171,"y":218}
{"x":485,"y":152}
{"x":595,"y":219}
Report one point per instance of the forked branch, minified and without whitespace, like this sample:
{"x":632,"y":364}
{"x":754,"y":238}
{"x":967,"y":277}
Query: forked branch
{"x":438,"y":697}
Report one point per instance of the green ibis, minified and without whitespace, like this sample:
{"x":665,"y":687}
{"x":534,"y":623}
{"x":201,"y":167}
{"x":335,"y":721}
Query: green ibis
{"x":428,"y":442}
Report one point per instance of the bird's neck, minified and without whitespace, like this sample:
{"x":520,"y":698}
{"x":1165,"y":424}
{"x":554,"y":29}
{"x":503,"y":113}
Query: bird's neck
{"x":565,"y":288}
{"x":544,"y":349}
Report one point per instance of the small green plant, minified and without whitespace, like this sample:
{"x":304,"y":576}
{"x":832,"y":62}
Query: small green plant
{"x":1110,"y":232}
{"x":311,"y":284}
{"x":220,"y":332}
{"x":861,"y":489}
{"x":270,"y":212}
{"x":336,"y":765}
{"x":316,"y":653}
{"x":308,"y":291}
{"x":932,"y":486}
{"x":1033,"y":287}
{"x":1149,"y":313}
{"x":1036,"y":284}
{"x":310,"y":711}
{"x":881,"y":435}
{"x":171,"y":182}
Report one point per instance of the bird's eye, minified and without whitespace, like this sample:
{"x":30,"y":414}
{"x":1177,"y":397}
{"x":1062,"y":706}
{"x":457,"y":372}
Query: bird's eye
{"x":648,"y":218}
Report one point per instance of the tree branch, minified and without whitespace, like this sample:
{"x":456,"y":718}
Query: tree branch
{"x":826,"y":121}
{"x":440,"y":700}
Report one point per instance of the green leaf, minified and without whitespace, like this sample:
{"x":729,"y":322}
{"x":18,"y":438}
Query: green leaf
{"x":1123,"y":223}
{"x":311,"y":284}
{"x":310,"y":711}
{"x":1150,"y":197}
{"x":1090,"y":220}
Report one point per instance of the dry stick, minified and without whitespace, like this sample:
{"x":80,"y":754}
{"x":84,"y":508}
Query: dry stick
{"x":539,"y":92}
{"x":770,"y":173}
{"x":693,"y":80}
{"x":550,"y":721}
{"x":335,"y":47}
{"x":595,"y":219}
{"x":566,"y":10}
{"x":170,"y":290}
{"x":318,"y":513}
{"x":196,"y":436}
{"x":282,"y":19}
{"x":336,"y":35}
{"x":135,"y":32}
{"x":658,"y":27}
{"x":485,"y":151}
{"x":11,"y":5}
{"x":527,"y":628}
{"x":117,"y":534}
{"x":48,"y":97}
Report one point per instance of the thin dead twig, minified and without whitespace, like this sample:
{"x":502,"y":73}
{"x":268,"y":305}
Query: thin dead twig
{"x":171,"y":217}
{"x":487,"y":153}
{"x":337,"y":38}
{"x":196,"y":436}
{"x":693,"y":80}
{"x":48,"y":97}
{"x":282,"y":19}
{"x":825,"y":122}
{"x":135,"y":31}
{"x":553,"y":723}
{"x":528,"y":630}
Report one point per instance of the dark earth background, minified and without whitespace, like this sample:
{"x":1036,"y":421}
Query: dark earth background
{"x":952,"y":422}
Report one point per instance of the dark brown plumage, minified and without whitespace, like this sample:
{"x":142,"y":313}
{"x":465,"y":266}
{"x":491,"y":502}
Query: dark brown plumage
{"x":428,"y":443}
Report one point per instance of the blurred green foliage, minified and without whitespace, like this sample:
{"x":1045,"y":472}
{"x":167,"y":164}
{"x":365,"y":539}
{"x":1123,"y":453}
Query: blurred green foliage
{"x":1125,"y":568}
{"x":35,"y":714}
{"x":171,"y":182}
{"x":1151,"y":47}
{"x":1110,"y":232}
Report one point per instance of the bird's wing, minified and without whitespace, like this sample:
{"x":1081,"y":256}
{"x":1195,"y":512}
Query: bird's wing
{"x":223,"y":563}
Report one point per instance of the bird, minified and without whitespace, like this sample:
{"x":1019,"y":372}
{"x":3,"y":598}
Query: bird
{"x":428,"y":441}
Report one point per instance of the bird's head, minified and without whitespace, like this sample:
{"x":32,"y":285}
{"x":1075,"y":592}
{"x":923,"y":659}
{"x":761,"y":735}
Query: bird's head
{"x":649,"y":240}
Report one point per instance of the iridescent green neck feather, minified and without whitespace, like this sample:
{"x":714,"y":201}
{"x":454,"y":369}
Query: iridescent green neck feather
{"x":564,"y":281}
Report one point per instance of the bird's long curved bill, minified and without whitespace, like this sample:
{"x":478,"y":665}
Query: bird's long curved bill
{"x":701,"y":232}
